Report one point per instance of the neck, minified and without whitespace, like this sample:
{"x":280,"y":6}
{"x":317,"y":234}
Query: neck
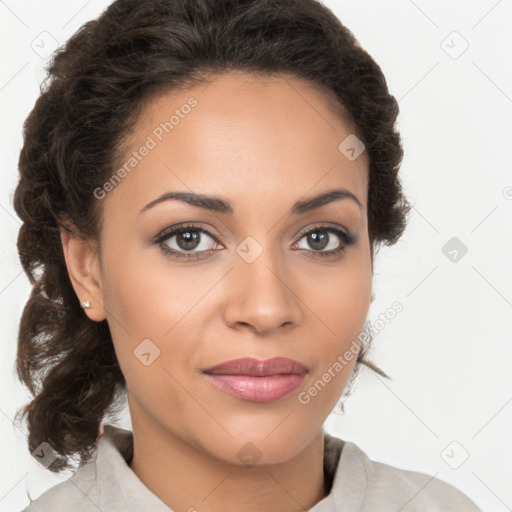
{"x":188,"y":478}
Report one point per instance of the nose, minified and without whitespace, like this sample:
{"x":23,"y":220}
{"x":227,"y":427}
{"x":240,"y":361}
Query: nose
{"x":262,"y":296}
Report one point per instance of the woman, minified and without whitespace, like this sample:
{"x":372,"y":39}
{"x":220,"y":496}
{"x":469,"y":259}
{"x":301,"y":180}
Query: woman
{"x":203,"y":185}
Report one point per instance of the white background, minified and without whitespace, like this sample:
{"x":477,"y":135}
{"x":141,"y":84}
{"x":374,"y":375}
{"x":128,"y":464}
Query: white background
{"x":449,"y":350}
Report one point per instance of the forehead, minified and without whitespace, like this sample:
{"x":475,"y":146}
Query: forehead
{"x":241,"y":136}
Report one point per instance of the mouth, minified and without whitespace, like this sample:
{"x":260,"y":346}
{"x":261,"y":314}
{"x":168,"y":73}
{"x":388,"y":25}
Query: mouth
{"x":258,"y":381}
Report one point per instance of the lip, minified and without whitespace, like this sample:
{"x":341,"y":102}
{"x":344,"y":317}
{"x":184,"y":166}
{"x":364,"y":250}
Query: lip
{"x":258,"y":381}
{"x":257,"y":367}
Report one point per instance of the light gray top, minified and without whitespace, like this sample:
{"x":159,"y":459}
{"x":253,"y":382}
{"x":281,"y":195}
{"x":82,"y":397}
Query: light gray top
{"x":108,"y":484}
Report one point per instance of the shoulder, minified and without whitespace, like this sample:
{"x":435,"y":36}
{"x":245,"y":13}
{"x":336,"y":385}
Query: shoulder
{"x":417,"y":491}
{"x":77,"y":493}
{"x":393,"y":488}
{"x":104,"y":482}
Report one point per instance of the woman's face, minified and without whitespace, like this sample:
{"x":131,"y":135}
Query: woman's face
{"x":249,"y":277}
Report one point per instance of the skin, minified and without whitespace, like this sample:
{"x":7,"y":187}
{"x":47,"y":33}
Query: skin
{"x":261,"y":144}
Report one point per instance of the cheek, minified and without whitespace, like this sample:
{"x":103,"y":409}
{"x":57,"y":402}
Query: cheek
{"x":133,"y":302}
{"x":339,"y":303}
{"x":147,"y":294}
{"x":147,"y":298}
{"x":342,"y":301}
{"x":149,"y":308}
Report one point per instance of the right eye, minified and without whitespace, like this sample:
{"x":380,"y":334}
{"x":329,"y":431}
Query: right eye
{"x":186,"y":242}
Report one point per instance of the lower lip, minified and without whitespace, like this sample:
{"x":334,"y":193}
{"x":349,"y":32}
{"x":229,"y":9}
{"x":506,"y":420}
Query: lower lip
{"x":258,"y":389}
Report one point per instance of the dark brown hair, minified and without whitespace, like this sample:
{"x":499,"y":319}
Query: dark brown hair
{"x":97,"y":85}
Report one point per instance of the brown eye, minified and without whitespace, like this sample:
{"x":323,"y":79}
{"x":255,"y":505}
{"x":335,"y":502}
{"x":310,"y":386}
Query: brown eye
{"x":187,"y":241}
{"x":318,"y":240}
{"x":326,"y":241}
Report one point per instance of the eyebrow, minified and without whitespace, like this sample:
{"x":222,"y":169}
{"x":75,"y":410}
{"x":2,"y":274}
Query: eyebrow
{"x":216,"y":204}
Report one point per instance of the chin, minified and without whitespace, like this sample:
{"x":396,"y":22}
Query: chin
{"x":257,"y":448}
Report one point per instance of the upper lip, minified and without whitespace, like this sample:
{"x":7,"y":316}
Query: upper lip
{"x":258,"y":368}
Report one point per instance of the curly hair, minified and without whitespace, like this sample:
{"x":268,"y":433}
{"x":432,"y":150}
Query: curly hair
{"x":97,"y":85}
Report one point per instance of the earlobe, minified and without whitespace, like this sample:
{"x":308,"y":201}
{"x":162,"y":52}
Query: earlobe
{"x":83,"y":268}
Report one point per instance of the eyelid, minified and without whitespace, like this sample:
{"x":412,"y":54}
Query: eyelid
{"x":322,"y":225}
{"x":173,"y":230}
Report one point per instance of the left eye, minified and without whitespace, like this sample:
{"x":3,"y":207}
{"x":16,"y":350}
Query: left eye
{"x":322,"y":239}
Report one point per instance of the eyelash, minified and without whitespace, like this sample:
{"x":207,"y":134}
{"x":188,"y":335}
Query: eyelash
{"x":347,"y":239}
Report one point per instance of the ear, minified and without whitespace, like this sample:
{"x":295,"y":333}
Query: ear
{"x":82,"y":262}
